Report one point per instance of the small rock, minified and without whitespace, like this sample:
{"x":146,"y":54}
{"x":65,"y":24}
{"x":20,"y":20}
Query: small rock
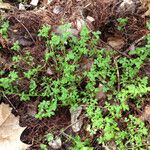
{"x":76,"y":124}
{"x":56,"y":143}
{"x":25,"y":42}
{"x":21,"y":7}
{"x":34,"y":2}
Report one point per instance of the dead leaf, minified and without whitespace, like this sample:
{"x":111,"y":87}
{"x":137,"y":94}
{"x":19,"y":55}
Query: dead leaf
{"x":80,"y":23}
{"x":4,"y":63}
{"x":3,"y":42}
{"x":146,"y":3}
{"x":146,"y":115}
{"x":111,"y":145}
{"x":56,"y":143}
{"x":76,"y":123}
{"x":10,"y":131}
{"x":6,"y":6}
{"x":49,"y":71}
{"x":116,"y":42}
{"x":86,"y":64}
{"x":100,"y":93}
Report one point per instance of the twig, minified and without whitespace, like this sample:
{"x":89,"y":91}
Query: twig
{"x":87,"y":5}
{"x":81,"y":118}
{"x":25,"y":29}
{"x":118,"y":74}
{"x":135,"y":42}
{"x":10,"y":102}
{"x":121,"y":53}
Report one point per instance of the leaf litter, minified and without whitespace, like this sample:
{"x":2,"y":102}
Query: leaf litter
{"x":10,"y":130}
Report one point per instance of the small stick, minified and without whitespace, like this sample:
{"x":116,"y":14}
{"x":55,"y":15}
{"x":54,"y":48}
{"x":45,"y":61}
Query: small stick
{"x":25,"y":29}
{"x":10,"y":102}
{"x":81,"y":118}
{"x":121,"y":53}
{"x":118,"y":74}
{"x":135,"y":42}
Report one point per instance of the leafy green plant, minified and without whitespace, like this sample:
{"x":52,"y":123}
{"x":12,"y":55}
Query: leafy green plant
{"x":44,"y":31}
{"x":16,"y":46}
{"x":4,"y":28}
{"x":137,"y":131}
{"x":49,"y":137}
{"x":122,"y":22}
{"x":46,"y":109}
{"x":72,"y":83}
{"x":80,"y":145}
{"x":43,"y":147}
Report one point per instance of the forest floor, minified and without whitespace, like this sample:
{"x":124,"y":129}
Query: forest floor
{"x":123,"y":29}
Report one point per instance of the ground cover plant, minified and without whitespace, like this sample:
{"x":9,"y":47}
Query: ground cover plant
{"x":63,"y":79}
{"x":82,"y":85}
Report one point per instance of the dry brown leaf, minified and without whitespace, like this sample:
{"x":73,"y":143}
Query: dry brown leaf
{"x":6,"y":6}
{"x":146,"y":3}
{"x":116,"y":42}
{"x":79,"y":24}
{"x":76,"y":123}
{"x":10,"y":131}
{"x":3,"y":41}
{"x":100,"y":93}
{"x":146,"y":115}
{"x":56,"y":143}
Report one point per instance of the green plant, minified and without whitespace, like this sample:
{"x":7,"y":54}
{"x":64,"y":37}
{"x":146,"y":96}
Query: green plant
{"x":43,"y":147}
{"x":80,"y":145}
{"x":44,"y":31}
{"x":122,"y":22}
{"x":46,"y":109}
{"x":79,"y":66}
{"x":137,"y":131}
{"x":4,"y":25}
{"x":49,"y":137}
{"x":16,"y":46}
